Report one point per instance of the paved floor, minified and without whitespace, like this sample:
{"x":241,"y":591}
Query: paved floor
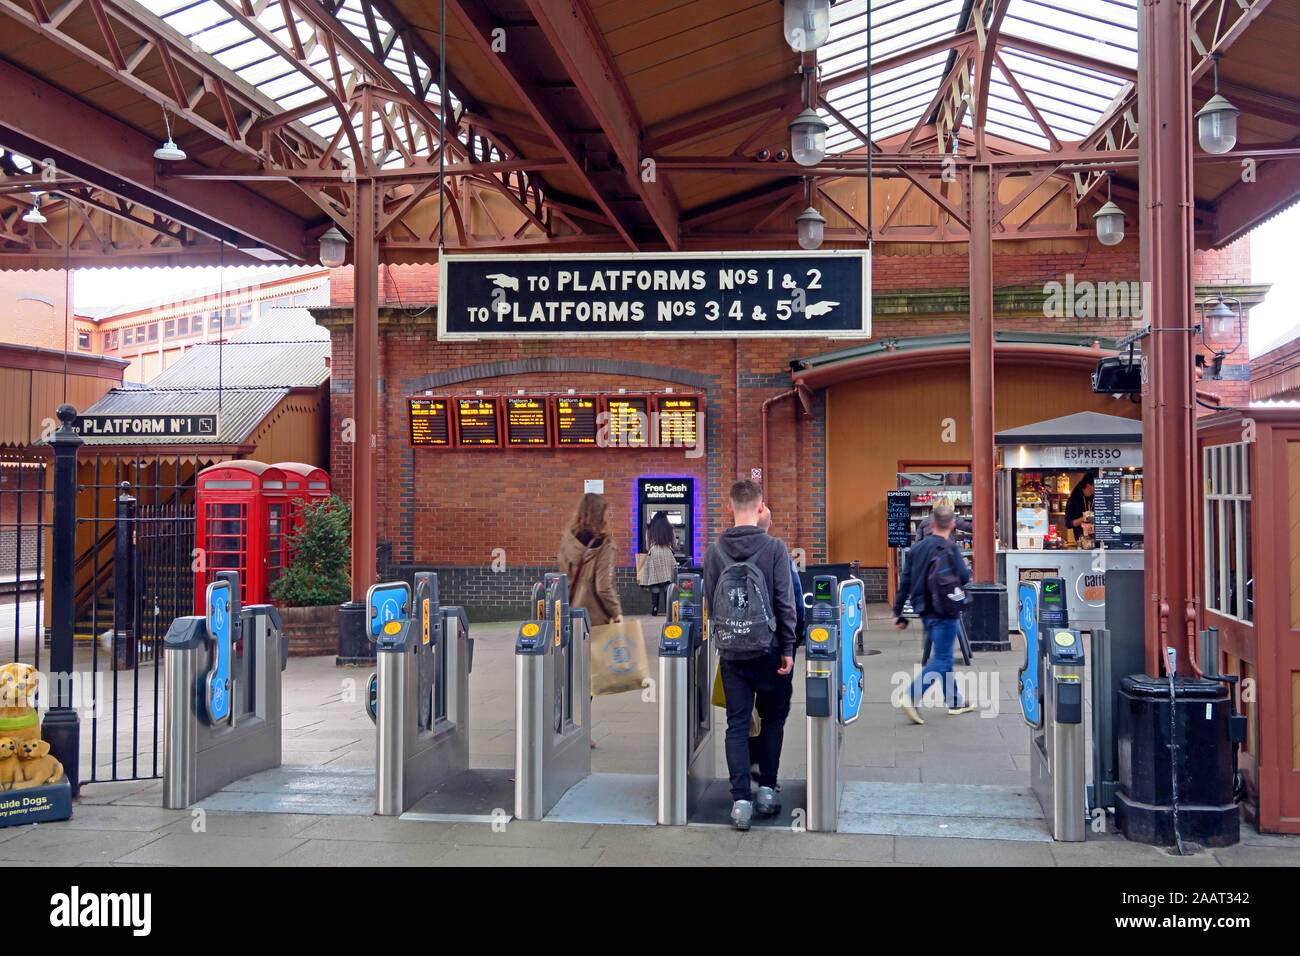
{"x":953,"y":791}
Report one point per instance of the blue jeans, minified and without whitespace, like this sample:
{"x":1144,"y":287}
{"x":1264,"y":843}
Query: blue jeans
{"x":746,"y":683}
{"x":942,"y":632}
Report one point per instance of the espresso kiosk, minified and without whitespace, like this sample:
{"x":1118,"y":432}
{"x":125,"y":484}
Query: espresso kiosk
{"x":1039,"y":466}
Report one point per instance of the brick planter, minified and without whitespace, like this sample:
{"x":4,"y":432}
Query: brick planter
{"x":312,"y":631}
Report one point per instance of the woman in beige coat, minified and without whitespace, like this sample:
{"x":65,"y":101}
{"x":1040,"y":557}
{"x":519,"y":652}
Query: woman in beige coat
{"x":587,"y":556}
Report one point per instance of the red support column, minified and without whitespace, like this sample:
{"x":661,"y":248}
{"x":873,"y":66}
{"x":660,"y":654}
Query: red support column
{"x":1168,"y":408}
{"x":981,"y":375}
{"x":365,"y":383}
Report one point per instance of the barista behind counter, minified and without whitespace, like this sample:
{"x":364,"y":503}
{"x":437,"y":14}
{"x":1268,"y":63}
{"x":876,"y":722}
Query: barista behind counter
{"x":1078,"y":509}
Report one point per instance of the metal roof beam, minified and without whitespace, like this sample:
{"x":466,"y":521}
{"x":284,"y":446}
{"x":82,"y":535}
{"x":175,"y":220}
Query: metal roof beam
{"x":577,"y":41}
{"x":480,"y":25}
{"x":36,"y":119}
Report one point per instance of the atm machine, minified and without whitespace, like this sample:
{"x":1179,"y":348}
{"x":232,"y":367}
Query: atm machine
{"x":675,"y":498}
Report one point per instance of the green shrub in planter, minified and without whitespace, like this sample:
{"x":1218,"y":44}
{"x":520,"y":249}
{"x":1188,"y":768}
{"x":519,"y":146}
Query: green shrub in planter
{"x":318,"y":574}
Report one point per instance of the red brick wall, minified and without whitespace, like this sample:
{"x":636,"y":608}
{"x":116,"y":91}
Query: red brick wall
{"x":465,"y":504}
{"x":27,"y":320}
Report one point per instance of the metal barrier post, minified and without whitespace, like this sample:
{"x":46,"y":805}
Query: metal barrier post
{"x":674,"y":732}
{"x":823,"y":665}
{"x":390,"y":720}
{"x":184,"y":651}
{"x":61,"y":727}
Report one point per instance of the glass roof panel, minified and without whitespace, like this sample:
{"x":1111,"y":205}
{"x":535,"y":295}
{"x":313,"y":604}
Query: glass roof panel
{"x":264,"y":65}
{"x":1069,"y":97}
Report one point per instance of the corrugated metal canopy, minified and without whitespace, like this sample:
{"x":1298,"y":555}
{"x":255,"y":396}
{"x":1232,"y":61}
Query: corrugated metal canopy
{"x":239,"y":412}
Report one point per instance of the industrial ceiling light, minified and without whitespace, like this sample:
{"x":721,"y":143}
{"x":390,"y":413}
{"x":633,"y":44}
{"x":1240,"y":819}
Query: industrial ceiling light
{"x":333,"y":248}
{"x":812,"y":228}
{"x":34,"y":215}
{"x":807,"y":24}
{"x":1110,"y":220}
{"x":1216,"y":121}
{"x":808,"y":138}
{"x":169,"y":152}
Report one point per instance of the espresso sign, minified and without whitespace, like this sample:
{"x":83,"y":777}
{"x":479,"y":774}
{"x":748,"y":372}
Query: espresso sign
{"x":725,"y":294}
{"x":898,"y":518}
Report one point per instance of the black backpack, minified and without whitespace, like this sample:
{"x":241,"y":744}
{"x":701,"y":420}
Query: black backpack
{"x":740,"y":614}
{"x":944,"y":591}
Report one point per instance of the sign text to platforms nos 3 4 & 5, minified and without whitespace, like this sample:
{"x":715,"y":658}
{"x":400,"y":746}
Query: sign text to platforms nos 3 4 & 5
{"x":824,"y":294}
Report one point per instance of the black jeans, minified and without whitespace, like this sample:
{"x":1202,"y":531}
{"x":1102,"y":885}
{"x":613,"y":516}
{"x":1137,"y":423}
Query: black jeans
{"x":745,"y":682}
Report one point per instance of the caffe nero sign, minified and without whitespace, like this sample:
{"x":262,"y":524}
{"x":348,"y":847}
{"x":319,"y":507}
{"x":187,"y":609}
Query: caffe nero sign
{"x":721,"y":295}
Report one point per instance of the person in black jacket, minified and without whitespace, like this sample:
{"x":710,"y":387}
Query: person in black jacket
{"x":757,"y":677}
{"x":942,"y":631}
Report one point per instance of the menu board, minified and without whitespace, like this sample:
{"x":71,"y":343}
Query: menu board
{"x":678,"y":421}
{"x":629,"y":421}
{"x":898,"y":515}
{"x":526,"y":422}
{"x":430,"y":421}
{"x":575,"y":421}
{"x":1105,"y":510}
{"x":478,"y":423}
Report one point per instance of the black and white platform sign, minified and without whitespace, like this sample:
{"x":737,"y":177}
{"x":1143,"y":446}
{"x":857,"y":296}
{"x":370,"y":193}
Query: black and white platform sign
{"x":134,"y":426}
{"x":720,"y":295}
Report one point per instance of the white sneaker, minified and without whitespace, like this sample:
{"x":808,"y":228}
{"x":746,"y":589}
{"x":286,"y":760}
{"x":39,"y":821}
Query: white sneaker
{"x":765,"y":804}
{"x":910,"y":709}
{"x":742,"y":811}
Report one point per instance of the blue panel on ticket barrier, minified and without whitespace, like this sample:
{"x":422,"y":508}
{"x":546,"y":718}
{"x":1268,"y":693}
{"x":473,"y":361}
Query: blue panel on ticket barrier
{"x":851,"y":605}
{"x":1030,"y":705}
{"x":387,"y":602}
{"x":220,"y":628}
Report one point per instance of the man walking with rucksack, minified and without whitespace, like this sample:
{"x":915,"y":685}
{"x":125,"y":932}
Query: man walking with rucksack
{"x":752,"y":623}
{"x":934,"y":579}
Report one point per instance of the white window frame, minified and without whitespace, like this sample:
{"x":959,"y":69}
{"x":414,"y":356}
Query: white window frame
{"x":1226,"y":471}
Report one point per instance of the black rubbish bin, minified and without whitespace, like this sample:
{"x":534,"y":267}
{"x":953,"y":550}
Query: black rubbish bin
{"x":355,"y":646}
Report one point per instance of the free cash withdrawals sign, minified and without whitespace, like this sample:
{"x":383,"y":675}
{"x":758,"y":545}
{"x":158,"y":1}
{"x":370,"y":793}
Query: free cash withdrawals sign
{"x":133,"y":426}
{"x":653,"y":294}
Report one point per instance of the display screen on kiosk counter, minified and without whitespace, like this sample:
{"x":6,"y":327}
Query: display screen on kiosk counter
{"x":629,"y":421}
{"x":430,"y":422}
{"x":822,"y":590}
{"x":477,"y":424}
{"x":527,"y":424}
{"x":575,"y":420}
{"x":678,"y":421}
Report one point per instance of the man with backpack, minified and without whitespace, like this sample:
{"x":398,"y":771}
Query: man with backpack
{"x":751,"y":610}
{"x":934,"y":579}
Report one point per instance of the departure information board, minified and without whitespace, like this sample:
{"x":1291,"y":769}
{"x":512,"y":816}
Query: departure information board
{"x":430,"y":422}
{"x":575,"y":421}
{"x":629,"y":421}
{"x":678,"y":421}
{"x":478,"y":423}
{"x":526,"y":422}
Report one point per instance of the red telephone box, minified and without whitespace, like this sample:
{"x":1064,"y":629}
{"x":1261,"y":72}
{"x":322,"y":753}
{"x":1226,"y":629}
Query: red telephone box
{"x":302,"y":484}
{"x":235,"y":524}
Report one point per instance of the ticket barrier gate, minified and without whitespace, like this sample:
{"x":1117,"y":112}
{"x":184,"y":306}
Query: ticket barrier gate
{"x":1051,"y":702}
{"x":424,"y":656}
{"x":552,"y":700}
{"x":221,"y":694}
{"x":686,"y":665}
{"x":833,"y":685}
